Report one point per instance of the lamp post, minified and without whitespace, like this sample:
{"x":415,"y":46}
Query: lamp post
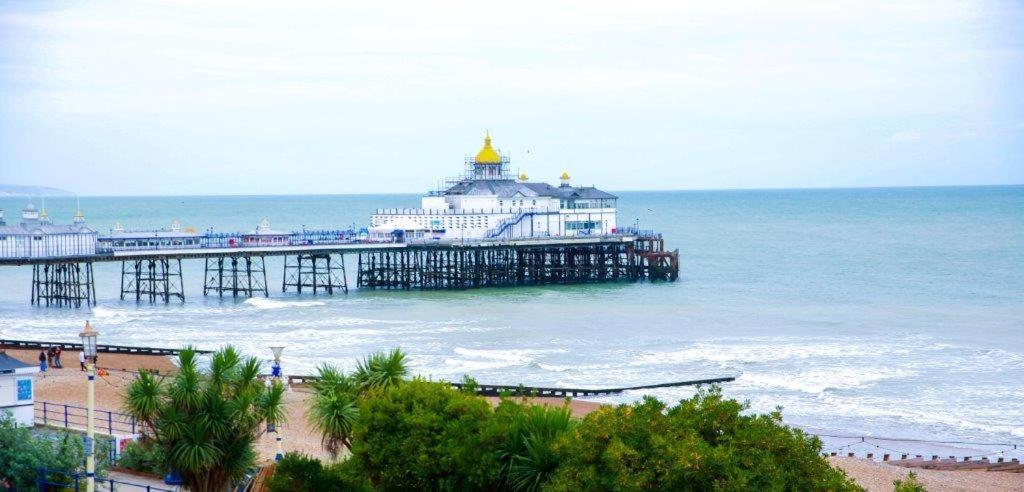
{"x":275,"y":373}
{"x":89,"y":336}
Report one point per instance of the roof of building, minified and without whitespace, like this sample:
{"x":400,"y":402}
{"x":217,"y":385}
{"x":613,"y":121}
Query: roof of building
{"x":163,"y":233}
{"x":43,"y":229}
{"x":263,"y":229}
{"x":8,"y":363}
{"x":507,"y":188}
{"x":487,"y":154}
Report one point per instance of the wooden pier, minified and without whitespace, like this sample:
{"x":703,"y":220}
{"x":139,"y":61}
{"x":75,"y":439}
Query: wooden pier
{"x":429,"y":267}
{"x":156,"y":275}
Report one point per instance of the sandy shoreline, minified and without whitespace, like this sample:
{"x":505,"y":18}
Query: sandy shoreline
{"x":67,"y":386}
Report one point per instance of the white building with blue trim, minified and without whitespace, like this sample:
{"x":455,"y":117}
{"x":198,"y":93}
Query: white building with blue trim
{"x":36,"y":236}
{"x":488,"y":202}
{"x":17,"y":392}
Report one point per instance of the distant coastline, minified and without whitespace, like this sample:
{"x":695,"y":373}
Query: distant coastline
{"x":7,"y":190}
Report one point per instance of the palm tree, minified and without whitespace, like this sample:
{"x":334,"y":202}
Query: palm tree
{"x":335,"y":406}
{"x":207,"y":420}
{"x":334,"y":409}
{"x":381,"y":370}
{"x":529,"y":457}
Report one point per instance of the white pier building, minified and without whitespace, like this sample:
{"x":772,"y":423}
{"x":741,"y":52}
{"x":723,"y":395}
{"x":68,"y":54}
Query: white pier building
{"x":37,"y":237}
{"x":488,"y":202}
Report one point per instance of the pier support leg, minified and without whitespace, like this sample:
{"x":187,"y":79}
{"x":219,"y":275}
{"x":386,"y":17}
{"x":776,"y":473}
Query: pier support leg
{"x":318,"y":271}
{"x":236,"y":274}
{"x":155,"y":280}
{"x":63,"y":284}
{"x":500,"y":265}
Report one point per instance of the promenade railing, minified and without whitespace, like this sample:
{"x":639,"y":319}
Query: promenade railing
{"x":75,"y":417}
{"x":103,"y":348}
{"x":75,"y":480}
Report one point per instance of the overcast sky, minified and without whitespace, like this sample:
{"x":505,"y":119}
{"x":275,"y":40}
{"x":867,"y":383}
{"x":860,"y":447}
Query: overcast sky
{"x":205,"y":97}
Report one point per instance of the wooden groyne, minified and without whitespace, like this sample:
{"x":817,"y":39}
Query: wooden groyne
{"x":544,"y":391}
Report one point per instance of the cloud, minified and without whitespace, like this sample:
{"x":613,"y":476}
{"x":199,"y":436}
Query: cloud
{"x":906,"y":136}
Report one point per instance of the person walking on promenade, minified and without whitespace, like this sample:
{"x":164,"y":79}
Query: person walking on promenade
{"x":56,"y":357}
{"x":49,"y":356}
{"x":81,"y":359}
{"x":42,"y":361}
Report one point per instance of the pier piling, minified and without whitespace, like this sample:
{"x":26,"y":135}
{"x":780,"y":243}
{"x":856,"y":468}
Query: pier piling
{"x":319,"y":272}
{"x":63,"y":284}
{"x":155,"y":279}
{"x":237,"y":274}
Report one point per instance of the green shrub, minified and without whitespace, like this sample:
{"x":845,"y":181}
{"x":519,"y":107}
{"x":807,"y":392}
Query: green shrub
{"x":909,"y":485}
{"x":529,"y":457}
{"x":300,"y":473}
{"x":427,"y":436}
{"x":23,"y":451}
{"x":144,"y":456}
{"x":704,"y":443}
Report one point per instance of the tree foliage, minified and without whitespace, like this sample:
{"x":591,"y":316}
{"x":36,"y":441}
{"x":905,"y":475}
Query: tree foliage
{"x":144,"y":456}
{"x":528,"y":457}
{"x":24,"y":451}
{"x":300,"y":473}
{"x":910,"y":484}
{"x":334,"y":408}
{"x":207,"y":419}
{"x":704,"y":443}
{"x":422,"y":435}
{"x":335,"y":405}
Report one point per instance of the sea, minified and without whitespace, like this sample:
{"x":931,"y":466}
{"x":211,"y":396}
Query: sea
{"x":886,"y":312}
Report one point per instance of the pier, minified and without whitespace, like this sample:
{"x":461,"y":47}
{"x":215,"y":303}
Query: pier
{"x":154,"y":274}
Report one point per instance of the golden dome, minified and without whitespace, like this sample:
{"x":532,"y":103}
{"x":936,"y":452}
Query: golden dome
{"x":523,"y":176}
{"x":565,"y":176}
{"x":487,"y":155}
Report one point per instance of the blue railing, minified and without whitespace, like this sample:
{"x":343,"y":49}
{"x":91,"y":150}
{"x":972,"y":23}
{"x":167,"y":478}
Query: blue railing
{"x":503,"y":226}
{"x":75,"y":480}
{"x":73,"y":417}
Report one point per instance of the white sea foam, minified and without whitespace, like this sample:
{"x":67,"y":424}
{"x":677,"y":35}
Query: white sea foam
{"x":481,"y":359}
{"x":818,"y":380}
{"x":267,"y":303}
{"x":725,"y":355}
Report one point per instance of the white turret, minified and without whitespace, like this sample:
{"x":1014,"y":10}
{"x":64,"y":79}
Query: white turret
{"x":44,"y":218}
{"x":79,"y":216}
{"x":29,"y":214}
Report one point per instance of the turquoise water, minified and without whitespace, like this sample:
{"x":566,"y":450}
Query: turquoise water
{"x":895,"y":312}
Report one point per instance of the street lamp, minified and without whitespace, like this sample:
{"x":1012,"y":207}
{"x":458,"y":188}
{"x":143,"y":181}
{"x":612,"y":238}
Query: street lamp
{"x":88,"y":336}
{"x":275,"y":372}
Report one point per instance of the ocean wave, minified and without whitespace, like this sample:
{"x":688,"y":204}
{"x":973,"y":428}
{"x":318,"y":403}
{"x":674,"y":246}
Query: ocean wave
{"x":725,"y":355}
{"x":819,"y":380}
{"x":482,"y":359}
{"x":267,"y":303}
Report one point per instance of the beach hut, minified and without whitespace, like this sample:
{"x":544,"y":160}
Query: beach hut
{"x":16,"y":394}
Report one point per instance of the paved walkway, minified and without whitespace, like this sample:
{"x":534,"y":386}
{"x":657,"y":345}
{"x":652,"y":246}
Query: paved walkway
{"x":132,"y":482}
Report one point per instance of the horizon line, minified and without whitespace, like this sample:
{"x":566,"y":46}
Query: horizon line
{"x":663,"y":190}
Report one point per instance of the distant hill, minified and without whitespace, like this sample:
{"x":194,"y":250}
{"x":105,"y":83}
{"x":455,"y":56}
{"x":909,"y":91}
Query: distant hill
{"x":24,"y":190}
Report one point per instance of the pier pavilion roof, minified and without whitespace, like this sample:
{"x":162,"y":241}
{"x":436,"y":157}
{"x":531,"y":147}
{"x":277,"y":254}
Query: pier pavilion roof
{"x":44,"y":229}
{"x":487,"y":154}
{"x":507,"y":188}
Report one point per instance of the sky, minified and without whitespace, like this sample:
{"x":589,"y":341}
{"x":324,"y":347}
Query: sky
{"x":190,"y":97}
